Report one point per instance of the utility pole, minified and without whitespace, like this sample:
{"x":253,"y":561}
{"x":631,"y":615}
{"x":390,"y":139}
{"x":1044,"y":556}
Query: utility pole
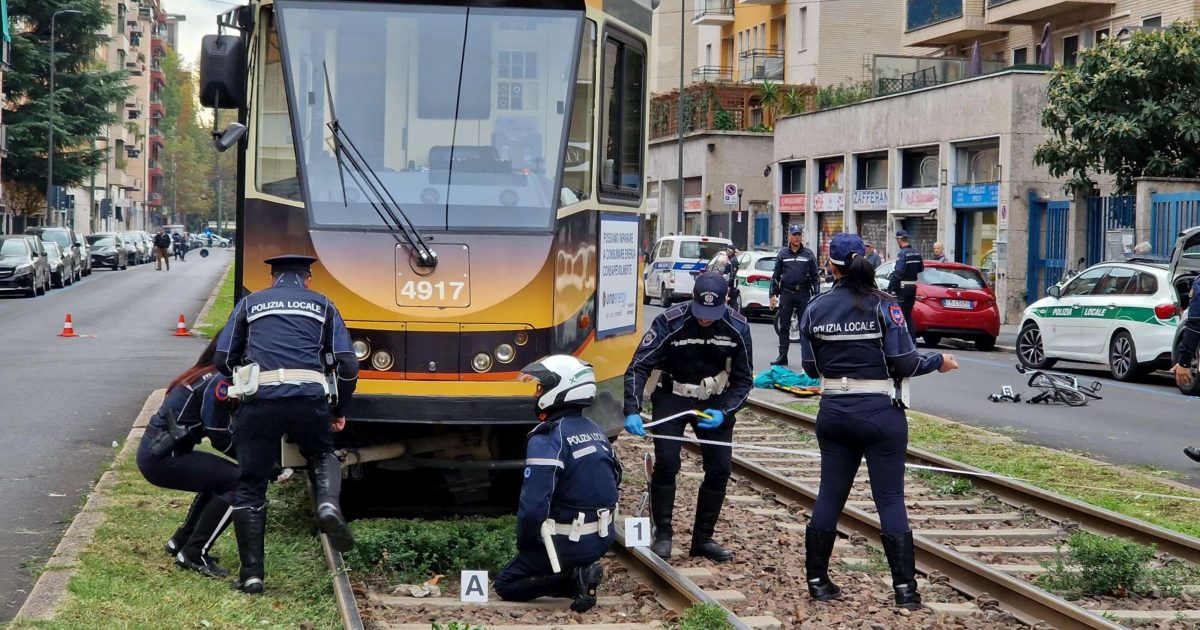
{"x":50,"y":121}
{"x":682,"y":39}
{"x":174,"y":192}
{"x":94,"y":207}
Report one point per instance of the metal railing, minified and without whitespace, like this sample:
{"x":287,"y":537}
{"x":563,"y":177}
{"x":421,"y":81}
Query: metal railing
{"x":760,"y":64}
{"x":709,"y":8}
{"x":911,"y":81}
{"x":718,"y":74}
{"x":922,"y":13}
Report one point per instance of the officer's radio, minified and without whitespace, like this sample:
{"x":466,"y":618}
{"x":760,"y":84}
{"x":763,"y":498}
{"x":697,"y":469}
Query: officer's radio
{"x":331,"y":378}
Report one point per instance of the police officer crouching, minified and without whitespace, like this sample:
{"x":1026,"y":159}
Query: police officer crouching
{"x":703,"y":352}
{"x":1185,"y":352}
{"x":903,"y":281}
{"x":569,"y":497}
{"x":284,"y":346}
{"x":794,"y":281}
{"x":854,"y":338}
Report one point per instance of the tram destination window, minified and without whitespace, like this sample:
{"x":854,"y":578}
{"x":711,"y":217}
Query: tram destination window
{"x":275,"y":156}
{"x":624,"y":91}
{"x":577,"y":167}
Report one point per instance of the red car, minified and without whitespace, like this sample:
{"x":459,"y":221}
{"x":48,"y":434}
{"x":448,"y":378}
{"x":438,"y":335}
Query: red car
{"x":953,"y":301}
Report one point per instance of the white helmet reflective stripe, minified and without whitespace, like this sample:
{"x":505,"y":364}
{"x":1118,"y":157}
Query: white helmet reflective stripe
{"x":565,"y":380}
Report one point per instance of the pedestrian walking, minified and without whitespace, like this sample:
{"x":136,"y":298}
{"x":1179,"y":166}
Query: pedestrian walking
{"x":939,"y":252}
{"x":183,"y":246}
{"x":732,"y":266}
{"x":872,"y":255}
{"x":903,"y":281}
{"x":794,"y":281}
{"x":162,"y":245}
{"x":1185,"y":352}
{"x":854,"y":338}
{"x":703,"y":353}
{"x":285,"y":345}
{"x":569,"y":496}
{"x":196,"y":406}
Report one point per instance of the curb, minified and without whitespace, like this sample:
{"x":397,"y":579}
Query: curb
{"x":51,"y":587}
{"x":208,"y":304}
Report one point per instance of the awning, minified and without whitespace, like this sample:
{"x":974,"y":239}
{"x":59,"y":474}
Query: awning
{"x":911,"y":212}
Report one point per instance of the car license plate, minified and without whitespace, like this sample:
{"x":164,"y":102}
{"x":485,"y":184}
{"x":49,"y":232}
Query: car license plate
{"x":963,"y":304}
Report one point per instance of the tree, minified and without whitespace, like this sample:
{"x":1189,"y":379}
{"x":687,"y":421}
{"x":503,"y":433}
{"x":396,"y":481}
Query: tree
{"x":769,"y":97}
{"x":85,"y":93}
{"x":1129,"y":111}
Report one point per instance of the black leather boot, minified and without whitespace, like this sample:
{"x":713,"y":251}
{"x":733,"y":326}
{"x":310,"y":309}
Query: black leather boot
{"x":585,"y":581}
{"x":782,"y":359}
{"x":708,"y":510}
{"x":662,"y":506}
{"x":213,"y":520}
{"x":250,"y":527}
{"x":818,"y":546}
{"x":181,"y":536}
{"x":531,"y":588}
{"x":326,"y":475}
{"x":899,"y":551}
{"x":1192,"y":452}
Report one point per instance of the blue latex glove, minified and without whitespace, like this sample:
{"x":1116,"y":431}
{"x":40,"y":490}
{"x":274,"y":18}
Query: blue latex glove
{"x":633,"y":424}
{"x":715,"y":421}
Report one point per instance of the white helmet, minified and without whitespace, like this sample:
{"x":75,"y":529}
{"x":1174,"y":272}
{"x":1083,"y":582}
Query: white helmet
{"x":565,"y":380}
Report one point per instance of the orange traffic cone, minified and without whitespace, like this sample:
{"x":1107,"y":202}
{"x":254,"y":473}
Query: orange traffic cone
{"x":180,"y":329}
{"x":68,"y":328}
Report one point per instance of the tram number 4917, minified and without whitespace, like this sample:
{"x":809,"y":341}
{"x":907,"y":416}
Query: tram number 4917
{"x":426,"y":291}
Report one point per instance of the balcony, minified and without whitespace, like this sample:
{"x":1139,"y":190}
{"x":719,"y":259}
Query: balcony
{"x":134,"y":67}
{"x":893,"y":74}
{"x":1041,"y":11}
{"x":760,"y":64}
{"x":713,"y":12}
{"x":719,"y":107}
{"x":713,"y":74}
{"x":760,"y":3}
{"x":945,"y":22}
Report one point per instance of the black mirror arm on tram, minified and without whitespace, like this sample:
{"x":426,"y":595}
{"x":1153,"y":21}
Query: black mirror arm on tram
{"x":390,"y":212}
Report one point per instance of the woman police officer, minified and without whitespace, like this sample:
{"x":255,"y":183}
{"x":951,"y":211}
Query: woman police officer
{"x":195,"y":407}
{"x":854,"y":337}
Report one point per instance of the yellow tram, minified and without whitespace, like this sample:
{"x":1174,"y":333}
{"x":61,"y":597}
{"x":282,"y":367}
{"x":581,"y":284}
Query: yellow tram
{"x":469,"y":176}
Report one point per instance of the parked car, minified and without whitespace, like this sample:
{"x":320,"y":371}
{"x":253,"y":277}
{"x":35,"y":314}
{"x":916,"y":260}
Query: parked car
{"x":148,"y":241}
{"x":953,"y":301}
{"x":108,"y":250}
{"x":134,"y":248}
{"x":22,"y":268}
{"x":753,"y":280}
{"x":1183,"y":269}
{"x":674,"y":264}
{"x":1122,"y":313}
{"x":65,"y":239}
{"x":85,"y":255}
{"x":60,"y":274}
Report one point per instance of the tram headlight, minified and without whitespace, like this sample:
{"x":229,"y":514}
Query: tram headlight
{"x":521,"y":338}
{"x":382,"y":360}
{"x":505,"y":353}
{"x":481,"y":362}
{"x":361,"y":349}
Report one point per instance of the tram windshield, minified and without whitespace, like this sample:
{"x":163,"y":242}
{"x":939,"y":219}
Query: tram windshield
{"x":460,"y":112}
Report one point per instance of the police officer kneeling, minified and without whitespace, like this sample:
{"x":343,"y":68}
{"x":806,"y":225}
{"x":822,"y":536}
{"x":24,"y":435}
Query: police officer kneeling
{"x":854,"y":337}
{"x":569,"y":498}
{"x":279,"y":345}
{"x":703,"y":352}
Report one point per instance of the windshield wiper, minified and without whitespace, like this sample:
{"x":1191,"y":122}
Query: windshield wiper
{"x":378,"y":194}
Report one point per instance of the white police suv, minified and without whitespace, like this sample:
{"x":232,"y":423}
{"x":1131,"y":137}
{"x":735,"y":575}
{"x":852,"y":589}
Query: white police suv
{"x":1123,"y":314}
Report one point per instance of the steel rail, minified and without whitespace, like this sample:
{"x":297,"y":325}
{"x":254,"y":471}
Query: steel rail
{"x":342,"y":589}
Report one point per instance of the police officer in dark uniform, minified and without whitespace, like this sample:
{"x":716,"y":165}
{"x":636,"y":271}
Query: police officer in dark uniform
{"x":854,"y":338}
{"x":569,"y":498}
{"x":195,"y":407}
{"x":281,"y":343}
{"x":703,"y":352}
{"x":903,"y":281}
{"x":731,"y":277}
{"x":793,"y":283}
{"x":1185,"y":353}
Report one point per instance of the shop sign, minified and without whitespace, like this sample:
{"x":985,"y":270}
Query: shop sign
{"x":793,"y":203}
{"x":693,"y":204}
{"x":919,"y":198}
{"x":829,"y":202}
{"x":870,"y":200}
{"x":976,"y":196}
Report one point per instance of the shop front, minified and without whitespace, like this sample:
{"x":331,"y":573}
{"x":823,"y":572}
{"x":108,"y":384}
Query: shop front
{"x":974,"y":222}
{"x":791,"y":211}
{"x":870,"y":208}
{"x":830,"y":209}
{"x":693,"y":215}
{"x":916,"y":212}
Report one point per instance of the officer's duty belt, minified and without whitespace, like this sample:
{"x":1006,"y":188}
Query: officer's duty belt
{"x":712,"y":386}
{"x":286,"y":376}
{"x":846,"y":385}
{"x":908,"y":283}
{"x":578,"y":527}
{"x":796,"y":288}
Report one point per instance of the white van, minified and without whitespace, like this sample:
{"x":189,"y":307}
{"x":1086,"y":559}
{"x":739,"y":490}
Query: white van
{"x":674,"y":264}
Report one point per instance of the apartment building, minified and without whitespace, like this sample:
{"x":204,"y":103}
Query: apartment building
{"x":5,"y":57}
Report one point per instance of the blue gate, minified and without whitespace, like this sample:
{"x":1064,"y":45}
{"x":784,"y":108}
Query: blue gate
{"x":1106,"y":214}
{"x":762,"y":229}
{"x":1170,"y":214}
{"x":1047,"y":245}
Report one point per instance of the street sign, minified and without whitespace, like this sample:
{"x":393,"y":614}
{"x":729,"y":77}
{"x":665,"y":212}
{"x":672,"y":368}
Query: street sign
{"x":731,"y":194}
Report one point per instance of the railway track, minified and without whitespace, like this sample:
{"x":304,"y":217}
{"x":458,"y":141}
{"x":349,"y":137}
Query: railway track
{"x":987,"y":545}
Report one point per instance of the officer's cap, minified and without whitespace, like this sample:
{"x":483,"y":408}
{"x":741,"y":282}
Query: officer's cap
{"x":290,"y":262}
{"x":901,"y":233}
{"x":845,"y":247}
{"x":708,"y":296}
{"x":796,"y":229}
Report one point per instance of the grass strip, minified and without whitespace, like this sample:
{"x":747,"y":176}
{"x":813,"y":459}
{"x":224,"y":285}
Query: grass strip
{"x":391,"y":551}
{"x":221,"y":308}
{"x":125,"y":580}
{"x":1043,"y":467}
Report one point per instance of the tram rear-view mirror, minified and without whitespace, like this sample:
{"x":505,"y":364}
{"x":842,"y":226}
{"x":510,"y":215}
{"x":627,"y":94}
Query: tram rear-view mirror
{"x":222,"y":72}
{"x":229,"y":137}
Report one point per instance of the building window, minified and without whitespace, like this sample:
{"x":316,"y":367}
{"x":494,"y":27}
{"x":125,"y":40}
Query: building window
{"x":1152,"y":23}
{"x":1020,"y":56}
{"x":1070,"y":50}
{"x":1037,"y":53}
{"x":516,"y":95}
{"x":793,"y":178}
{"x":624,"y":91}
{"x":708,"y":55}
{"x":803,"y":28}
{"x":1101,"y":35}
{"x":872,"y":173}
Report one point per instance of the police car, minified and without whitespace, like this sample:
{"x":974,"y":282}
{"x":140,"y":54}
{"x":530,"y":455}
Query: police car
{"x":1123,"y":314}
{"x":674,"y":263}
{"x":753,"y":279}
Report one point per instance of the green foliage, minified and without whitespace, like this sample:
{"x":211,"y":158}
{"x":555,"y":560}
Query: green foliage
{"x":218,"y":314}
{"x":454,"y":625}
{"x":759,"y":128}
{"x":794,"y":102}
{"x":85,"y":94}
{"x":1130,"y":111}
{"x":843,"y":94}
{"x":723,"y":119}
{"x":770,"y":98}
{"x":705,"y":617}
{"x":1099,"y":565}
{"x":946,"y":484}
{"x":412,"y":550}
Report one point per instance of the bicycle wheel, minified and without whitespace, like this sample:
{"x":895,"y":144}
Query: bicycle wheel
{"x":1073,"y":397}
